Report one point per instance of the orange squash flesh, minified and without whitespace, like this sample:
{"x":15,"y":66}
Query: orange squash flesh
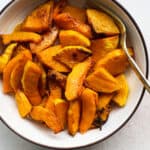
{"x":74,"y":116}
{"x":88,"y":99}
{"x":21,"y":58}
{"x":76,"y":78}
{"x":30,"y":80}
{"x":40,"y":113}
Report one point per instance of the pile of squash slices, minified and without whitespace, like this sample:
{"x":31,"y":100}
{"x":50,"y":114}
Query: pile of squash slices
{"x":64,"y":67}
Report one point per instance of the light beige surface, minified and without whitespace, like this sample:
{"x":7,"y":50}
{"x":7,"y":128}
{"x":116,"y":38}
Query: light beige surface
{"x":136,"y":134}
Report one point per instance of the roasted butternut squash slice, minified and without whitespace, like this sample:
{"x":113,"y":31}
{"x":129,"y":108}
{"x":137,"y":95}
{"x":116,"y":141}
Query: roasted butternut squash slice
{"x":17,"y":27}
{"x":6,"y":56}
{"x":76,"y":78}
{"x":71,"y":55}
{"x":59,"y":7}
{"x":67,"y":22}
{"x":48,"y":39}
{"x":24,"y":106}
{"x":101,"y":47}
{"x":42,"y":80}
{"x":104,"y":114}
{"x":75,"y":12}
{"x":46,"y":57}
{"x":102,"y":81}
{"x":88,"y":100}
{"x":55,"y":92}
{"x":74,"y":116}
{"x":57,"y":77}
{"x":16,"y":75}
{"x":61,"y":109}
{"x":104,"y":100}
{"x":121,"y":97}
{"x":40,"y":113}
{"x":23,"y":57}
{"x":30,"y":80}
{"x":19,"y":49}
{"x":70,"y":37}
{"x":102,"y":22}
{"x":115,"y":62}
{"x":21,"y":37}
{"x":40,"y":19}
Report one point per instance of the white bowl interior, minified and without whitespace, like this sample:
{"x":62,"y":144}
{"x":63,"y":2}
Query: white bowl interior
{"x":41,"y":135}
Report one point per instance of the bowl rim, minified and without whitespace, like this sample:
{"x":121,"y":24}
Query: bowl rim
{"x":133,"y":112}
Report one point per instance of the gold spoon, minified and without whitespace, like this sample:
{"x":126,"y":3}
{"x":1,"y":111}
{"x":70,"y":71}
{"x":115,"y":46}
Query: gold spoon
{"x":123,"y":44}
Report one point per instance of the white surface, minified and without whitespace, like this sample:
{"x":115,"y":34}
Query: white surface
{"x":135,"y":135}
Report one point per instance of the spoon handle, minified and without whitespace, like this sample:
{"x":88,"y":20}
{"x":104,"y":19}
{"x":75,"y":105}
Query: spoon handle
{"x":134,"y":65}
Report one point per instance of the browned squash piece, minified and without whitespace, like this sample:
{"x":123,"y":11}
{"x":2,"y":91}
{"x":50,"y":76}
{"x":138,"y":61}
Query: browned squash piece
{"x":42,"y":80}
{"x":46,"y":57}
{"x":40,"y":113}
{"x":76,"y":12}
{"x":67,"y":22}
{"x":61,"y":109}
{"x":102,"y":81}
{"x":101,"y":47}
{"x":40,"y":19}
{"x":55,"y":92}
{"x":70,"y":37}
{"x":57,"y":77}
{"x":20,"y":58}
{"x":72,"y":55}
{"x":19,"y":49}
{"x":103,"y":100}
{"x":48,"y":39}
{"x":88,"y":99}
{"x":58,"y":7}
{"x":16,"y":75}
{"x":6,"y":56}
{"x":76,"y":78}
{"x":121,"y":97}
{"x":104,"y":114}
{"x":30,"y":80}
{"x":74,"y":116}
{"x":21,"y":37}
{"x":24,"y":106}
{"x":101,"y":22}
{"x":115,"y":62}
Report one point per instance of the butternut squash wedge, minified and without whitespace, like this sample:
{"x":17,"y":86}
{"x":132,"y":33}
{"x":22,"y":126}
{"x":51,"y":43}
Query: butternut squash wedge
{"x":76,"y":78}
{"x":101,"y":22}
{"x":40,"y":19}
{"x":67,"y":22}
{"x":30,"y":80}
{"x":104,"y":100}
{"x":61,"y":109}
{"x":40,"y":113}
{"x":102,"y":81}
{"x":21,"y":37}
{"x":101,"y":47}
{"x":104,"y":114}
{"x":23,"y":57}
{"x":55,"y":93}
{"x":88,"y":100}
{"x":24,"y":106}
{"x":57,"y":77}
{"x":121,"y":97}
{"x":74,"y":116}
{"x":6,"y":56}
{"x":48,"y":39}
{"x":70,"y":37}
{"x":46,"y":57}
{"x":115,"y":62}
{"x":72,"y":55}
{"x":76,"y":12}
